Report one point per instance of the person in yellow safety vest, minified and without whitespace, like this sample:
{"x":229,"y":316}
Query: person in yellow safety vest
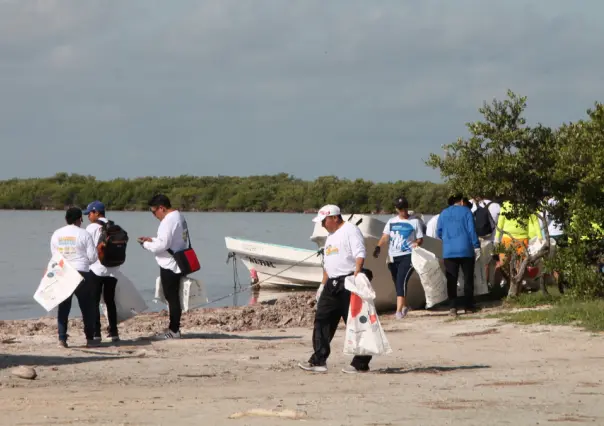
{"x":514,"y":231}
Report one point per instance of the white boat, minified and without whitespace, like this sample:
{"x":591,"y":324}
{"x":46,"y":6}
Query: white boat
{"x":285,"y":266}
{"x":278,"y":265}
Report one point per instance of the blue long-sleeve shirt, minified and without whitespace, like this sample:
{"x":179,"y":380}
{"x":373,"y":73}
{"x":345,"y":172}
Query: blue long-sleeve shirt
{"x":456,"y":229}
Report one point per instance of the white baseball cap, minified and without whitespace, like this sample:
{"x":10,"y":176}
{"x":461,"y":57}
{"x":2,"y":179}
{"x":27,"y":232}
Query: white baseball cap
{"x":326,"y":211}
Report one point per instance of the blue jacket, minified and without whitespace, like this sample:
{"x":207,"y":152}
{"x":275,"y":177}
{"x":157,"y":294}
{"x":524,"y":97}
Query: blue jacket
{"x":455,"y":227}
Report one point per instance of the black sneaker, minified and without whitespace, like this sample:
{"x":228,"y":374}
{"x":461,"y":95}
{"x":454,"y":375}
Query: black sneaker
{"x":113,"y":337}
{"x":63,"y":344}
{"x":93,"y":343}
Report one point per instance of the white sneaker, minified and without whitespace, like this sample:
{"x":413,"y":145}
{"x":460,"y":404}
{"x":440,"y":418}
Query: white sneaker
{"x":352,"y":370}
{"x":167,"y":335}
{"x":307,"y":366}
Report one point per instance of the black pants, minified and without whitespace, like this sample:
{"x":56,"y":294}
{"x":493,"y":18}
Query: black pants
{"x":170,"y":284}
{"x":401,"y":269}
{"x":85,"y":294}
{"x":333,"y":305}
{"x":452,"y":266}
{"x":105,"y":288}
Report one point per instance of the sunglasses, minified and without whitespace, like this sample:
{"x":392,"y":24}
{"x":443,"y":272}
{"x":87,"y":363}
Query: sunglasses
{"x":325,"y":220}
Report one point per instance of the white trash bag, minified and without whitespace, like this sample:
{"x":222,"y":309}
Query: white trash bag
{"x":534,"y":245}
{"x":481,"y":285}
{"x":364,"y":333}
{"x":59,"y":282}
{"x":128,"y":301}
{"x":432,"y":277}
{"x":192,"y":293}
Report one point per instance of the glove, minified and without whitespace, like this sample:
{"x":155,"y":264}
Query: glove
{"x":319,"y":291}
{"x":376,"y":252}
{"x":477,"y":254}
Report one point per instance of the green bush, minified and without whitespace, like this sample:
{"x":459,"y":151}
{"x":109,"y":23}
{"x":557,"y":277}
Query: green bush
{"x":578,"y":271}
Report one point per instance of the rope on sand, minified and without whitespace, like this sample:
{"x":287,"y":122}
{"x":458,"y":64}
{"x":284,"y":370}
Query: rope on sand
{"x":241,"y":289}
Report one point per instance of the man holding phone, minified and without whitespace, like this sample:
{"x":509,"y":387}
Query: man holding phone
{"x":172,"y":235}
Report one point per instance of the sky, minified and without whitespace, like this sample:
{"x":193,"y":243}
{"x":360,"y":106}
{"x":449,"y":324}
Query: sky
{"x":353,"y":88}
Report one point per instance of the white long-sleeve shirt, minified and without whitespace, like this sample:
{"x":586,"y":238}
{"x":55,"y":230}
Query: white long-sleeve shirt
{"x":171,"y":234}
{"x":431,"y":226}
{"x":100,"y":270}
{"x":342,"y":248}
{"x":75,"y":245}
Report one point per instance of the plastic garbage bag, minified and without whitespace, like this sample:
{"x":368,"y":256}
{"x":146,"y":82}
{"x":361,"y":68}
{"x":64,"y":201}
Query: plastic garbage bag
{"x":364,"y":333}
{"x":481,"y":286}
{"x":192,"y":293}
{"x":128,"y":301}
{"x":59,"y":281}
{"x":535,"y":244}
{"x":432,"y":277}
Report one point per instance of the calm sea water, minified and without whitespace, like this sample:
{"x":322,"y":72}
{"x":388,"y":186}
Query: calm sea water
{"x":25,"y":252}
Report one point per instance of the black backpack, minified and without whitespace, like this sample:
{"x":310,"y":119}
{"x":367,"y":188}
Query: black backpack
{"x":116,"y":240}
{"x":483,"y":220}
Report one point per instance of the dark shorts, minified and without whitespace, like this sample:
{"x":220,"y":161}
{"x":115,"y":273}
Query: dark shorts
{"x":401,"y":270}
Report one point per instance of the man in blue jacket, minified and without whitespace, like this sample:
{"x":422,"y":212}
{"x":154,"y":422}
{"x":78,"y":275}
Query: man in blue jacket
{"x":461,"y":248}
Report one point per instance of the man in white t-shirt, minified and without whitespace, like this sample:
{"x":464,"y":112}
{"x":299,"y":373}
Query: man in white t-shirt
{"x":105,"y":282}
{"x":173,"y":235}
{"x":77,"y":248}
{"x":494,"y":209}
{"x":403,"y":234}
{"x":344,"y":255}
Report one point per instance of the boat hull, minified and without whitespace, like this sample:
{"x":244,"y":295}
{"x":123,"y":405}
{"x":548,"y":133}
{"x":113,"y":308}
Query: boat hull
{"x":278,"y":265}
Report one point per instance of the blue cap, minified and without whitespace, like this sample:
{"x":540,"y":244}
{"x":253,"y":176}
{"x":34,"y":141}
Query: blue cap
{"x":95,"y":206}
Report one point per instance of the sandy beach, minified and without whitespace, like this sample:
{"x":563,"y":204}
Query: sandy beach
{"x":472,"y":371}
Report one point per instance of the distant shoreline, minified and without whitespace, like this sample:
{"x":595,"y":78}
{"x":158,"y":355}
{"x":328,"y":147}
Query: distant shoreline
{"x":279,"y":193}
{"x":383,"y":213}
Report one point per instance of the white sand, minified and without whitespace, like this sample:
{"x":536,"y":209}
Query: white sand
{"x":509,"y":375}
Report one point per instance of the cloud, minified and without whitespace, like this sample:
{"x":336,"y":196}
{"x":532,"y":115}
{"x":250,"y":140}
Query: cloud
{"x":355,"y":88}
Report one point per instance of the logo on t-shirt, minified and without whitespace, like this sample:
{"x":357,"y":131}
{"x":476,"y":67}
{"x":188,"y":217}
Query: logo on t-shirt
{"x":67,"y":245}
{"x":401,"y":236}
{"x":329,"y":250}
